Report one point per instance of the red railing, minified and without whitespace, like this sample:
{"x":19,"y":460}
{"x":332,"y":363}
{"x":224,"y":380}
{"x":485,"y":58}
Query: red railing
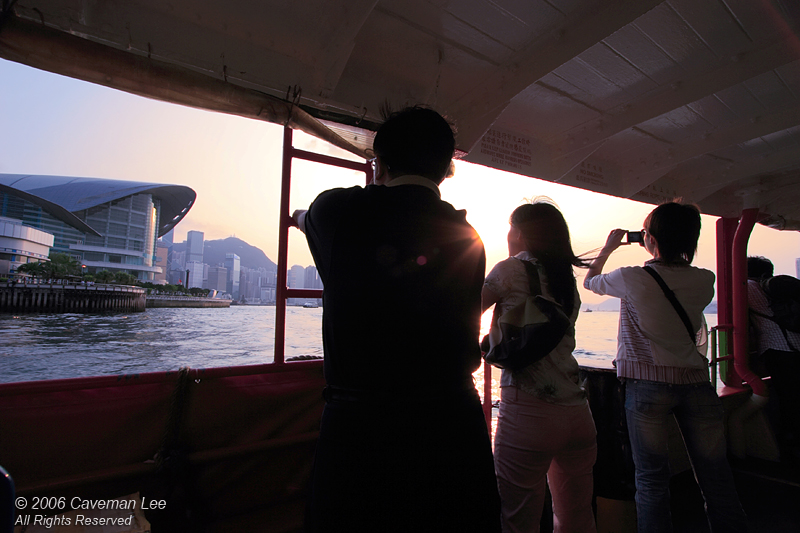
{"x":282,"y":292}
{"x":739,"y":294}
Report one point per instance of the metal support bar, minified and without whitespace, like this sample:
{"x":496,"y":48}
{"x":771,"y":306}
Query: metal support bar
{"x":726,"y":228}
{"x":283,"y":248}
{"x":332,"y":161}
{"x":713,"y":362}
{"x":739,"y":284}
{"x":304,"y":293}
{"x":487,"y":395}
{"x":282,"y":292}
{"x":45,"y":48}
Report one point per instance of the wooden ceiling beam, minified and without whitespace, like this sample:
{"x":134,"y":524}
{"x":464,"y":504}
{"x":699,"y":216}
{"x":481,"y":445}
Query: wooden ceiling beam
{"x":55,"y":51}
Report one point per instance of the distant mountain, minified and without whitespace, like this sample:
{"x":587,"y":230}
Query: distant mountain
{"x":249,"y":256}
{"x":611,"y":304}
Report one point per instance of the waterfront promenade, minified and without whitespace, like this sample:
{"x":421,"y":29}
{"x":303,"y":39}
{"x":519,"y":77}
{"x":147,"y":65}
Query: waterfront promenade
{"x":69,"y":297}
{"x":185,"y":301}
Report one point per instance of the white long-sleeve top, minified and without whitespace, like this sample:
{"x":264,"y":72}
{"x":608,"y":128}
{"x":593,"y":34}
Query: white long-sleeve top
{"x":652,"y":342}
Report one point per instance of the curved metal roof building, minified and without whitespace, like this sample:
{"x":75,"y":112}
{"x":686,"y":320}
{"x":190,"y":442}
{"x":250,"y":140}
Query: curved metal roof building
{"x":62,"y":196}
{"x":108,"y":224}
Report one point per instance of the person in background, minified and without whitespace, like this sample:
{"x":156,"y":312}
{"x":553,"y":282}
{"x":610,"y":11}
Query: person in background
{"x":403,"y":444}
{"x":545,"y":430}
{"x":664,"y":373}
{"x":779,"y":350}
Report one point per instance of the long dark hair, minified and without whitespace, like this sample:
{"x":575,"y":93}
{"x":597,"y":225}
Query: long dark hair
{"x":546,"y":237}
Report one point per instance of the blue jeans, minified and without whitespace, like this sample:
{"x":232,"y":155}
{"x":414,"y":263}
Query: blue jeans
{"x":698,"y":411}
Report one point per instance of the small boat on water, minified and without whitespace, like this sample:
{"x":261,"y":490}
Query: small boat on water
{"x":641,"y":99}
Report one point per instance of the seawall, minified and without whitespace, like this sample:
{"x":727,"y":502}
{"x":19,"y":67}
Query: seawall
{"x":70,"y":298}
{"x":185,"y":301}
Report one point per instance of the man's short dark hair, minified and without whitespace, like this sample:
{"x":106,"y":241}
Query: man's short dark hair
{"x":759,"y":267}
{"x":415,"y":140}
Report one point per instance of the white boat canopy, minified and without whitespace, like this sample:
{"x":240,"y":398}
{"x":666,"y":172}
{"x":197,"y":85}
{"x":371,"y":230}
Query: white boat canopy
{"x":640,"y":99}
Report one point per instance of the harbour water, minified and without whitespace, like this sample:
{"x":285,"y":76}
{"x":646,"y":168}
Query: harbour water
{"x":55,"y":346}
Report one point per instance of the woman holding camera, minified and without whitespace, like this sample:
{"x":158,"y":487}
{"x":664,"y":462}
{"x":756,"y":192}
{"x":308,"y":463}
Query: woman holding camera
{"x":663,"y":372}
{"x":545,"y":429}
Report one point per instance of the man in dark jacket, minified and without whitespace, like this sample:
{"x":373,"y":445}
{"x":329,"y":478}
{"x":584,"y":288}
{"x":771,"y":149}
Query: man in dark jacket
{"x":403,"y":445}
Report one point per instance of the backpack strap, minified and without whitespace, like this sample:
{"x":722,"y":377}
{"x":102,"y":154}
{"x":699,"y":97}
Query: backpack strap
{"x":674,"y":301}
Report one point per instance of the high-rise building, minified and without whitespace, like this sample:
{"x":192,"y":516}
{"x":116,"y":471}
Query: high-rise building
{"x":169,"y":237}
{"x":233,"y":266}
{"x":266,"y":285}
{"x":168,"y":240}
{"x":194,"y":246}
{"x":268,"y":295}
{"x":176,"y":275}
{"x":178,"y":260}
{"x":312,"y":280}
{"x":106,"y":224}
{"x":194,"y":270}
{"x":217,"y":278}
{"x":250,"y":282}
{"x":295,"y":278}
{"x":162,"y":253}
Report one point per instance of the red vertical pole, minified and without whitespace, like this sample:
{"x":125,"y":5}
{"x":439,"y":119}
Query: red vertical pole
{"x":487,"y":395}
{"x":739,"y":283}
{"x":283,"y":247}
{"x":286,"y":222}
{"x":726,"y":228}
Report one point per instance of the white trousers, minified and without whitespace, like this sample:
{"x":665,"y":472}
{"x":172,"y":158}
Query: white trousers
{"x":537,"y":440}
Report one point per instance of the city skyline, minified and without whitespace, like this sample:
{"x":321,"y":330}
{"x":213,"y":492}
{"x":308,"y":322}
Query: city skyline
{"x":256,"y":284}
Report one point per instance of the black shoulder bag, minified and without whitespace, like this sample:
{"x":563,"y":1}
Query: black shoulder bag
{"x":528,"y":331}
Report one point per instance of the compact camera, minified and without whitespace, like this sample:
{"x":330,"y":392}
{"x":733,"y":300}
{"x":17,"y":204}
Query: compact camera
{"x":634,"y":236}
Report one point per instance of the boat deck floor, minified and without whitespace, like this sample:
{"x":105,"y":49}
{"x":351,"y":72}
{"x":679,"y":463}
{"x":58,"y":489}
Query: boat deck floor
{"x":769,"y":492}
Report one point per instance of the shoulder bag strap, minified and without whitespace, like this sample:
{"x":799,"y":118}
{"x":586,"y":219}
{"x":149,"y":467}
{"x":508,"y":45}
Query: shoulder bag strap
{"x":533,"y":278}
{"x":673,"y":300}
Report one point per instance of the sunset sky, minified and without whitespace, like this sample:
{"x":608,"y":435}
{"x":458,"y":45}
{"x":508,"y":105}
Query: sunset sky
{"x":55,"y":125}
